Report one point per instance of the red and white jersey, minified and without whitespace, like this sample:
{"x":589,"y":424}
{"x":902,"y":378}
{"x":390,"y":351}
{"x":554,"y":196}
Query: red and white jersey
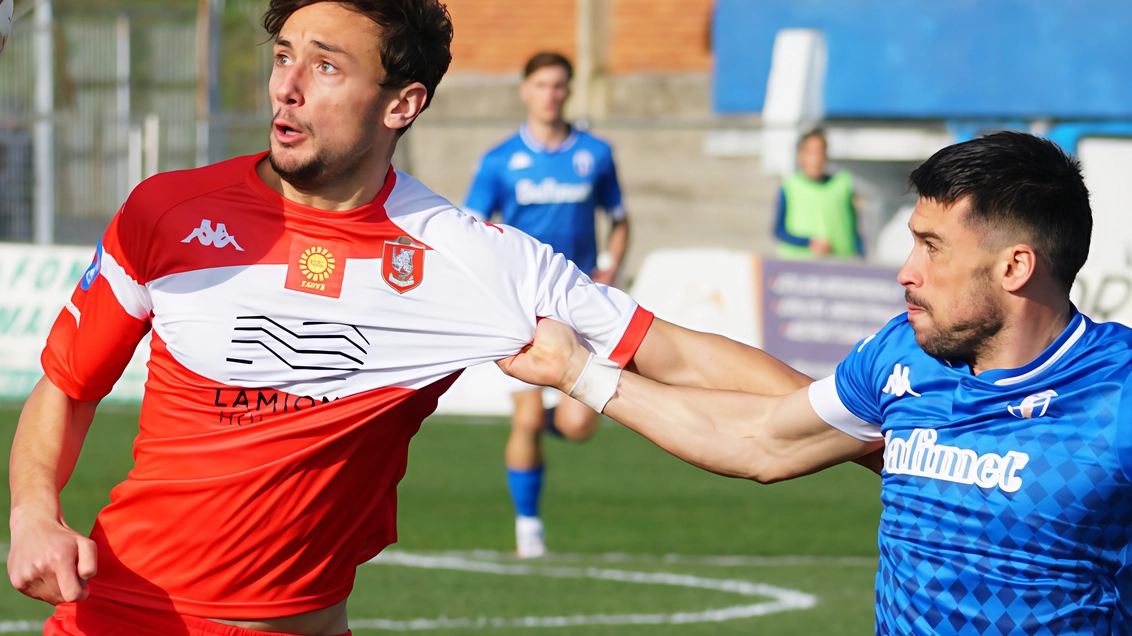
{"x":295,"y":352}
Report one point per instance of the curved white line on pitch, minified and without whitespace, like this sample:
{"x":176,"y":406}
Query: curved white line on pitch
{"x":669,"y":559}
{"x":783,"y":599}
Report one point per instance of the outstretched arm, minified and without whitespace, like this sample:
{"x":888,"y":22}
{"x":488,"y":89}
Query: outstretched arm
{"x":671,"y":354}
{"x":733,"y":433}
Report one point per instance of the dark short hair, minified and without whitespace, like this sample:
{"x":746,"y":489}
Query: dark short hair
{"x":545,"y":59}
{"x":813,"y":132}
{"x":1021,"y":187}
{"x":416,"y":36}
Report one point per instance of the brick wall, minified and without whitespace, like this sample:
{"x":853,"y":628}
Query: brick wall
{"x":644,"y":36}
{"x":660,"y":36}
{"x":498,"y":36}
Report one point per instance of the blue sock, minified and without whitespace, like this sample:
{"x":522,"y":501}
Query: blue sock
{"x":525,"y":486}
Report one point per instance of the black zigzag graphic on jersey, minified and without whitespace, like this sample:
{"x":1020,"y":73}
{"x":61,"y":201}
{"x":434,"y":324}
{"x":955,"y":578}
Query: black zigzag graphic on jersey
{"x":273,"y":338}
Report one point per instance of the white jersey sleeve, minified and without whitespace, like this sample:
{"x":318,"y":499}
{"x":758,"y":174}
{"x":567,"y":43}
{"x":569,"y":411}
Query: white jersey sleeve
{"x":510,"y":280}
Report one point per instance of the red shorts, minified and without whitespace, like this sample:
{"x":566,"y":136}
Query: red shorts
{"x":99,"y":617}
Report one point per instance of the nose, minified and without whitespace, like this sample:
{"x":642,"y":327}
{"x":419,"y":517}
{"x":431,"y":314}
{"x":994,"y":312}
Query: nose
{"x":288,"y":81}
{"x":909,"y":274}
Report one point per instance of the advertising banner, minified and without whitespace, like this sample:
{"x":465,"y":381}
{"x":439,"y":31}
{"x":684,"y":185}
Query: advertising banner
{"x":814,"y":312}
{"x":35,"y":283}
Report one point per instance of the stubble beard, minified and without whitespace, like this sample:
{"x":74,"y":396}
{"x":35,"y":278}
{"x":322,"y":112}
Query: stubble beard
{"x":967,"y":339}
{"x":325,"y":166}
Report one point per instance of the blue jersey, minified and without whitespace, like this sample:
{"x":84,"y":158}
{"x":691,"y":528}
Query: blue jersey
{"x":550,"y":195}
{"x":1007,"y":496}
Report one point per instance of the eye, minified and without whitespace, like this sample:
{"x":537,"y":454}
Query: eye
{"x":327,"y":67}
{"x":282,"y":59}
{"x":932,"y":249}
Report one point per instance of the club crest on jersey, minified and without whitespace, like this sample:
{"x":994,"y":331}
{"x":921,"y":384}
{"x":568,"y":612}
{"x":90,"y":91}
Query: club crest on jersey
{"x":316,"y":267}
{"x":583,"y":162}
{"x":1033,"y":406}
{"x":402,"y":265}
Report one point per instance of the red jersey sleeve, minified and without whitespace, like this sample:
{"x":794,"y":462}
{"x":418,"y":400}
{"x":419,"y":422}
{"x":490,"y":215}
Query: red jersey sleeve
{"x":98,"y":330}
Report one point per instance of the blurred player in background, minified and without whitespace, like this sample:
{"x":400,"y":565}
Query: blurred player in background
{"x":548,"y":181}
{"x":815,"y":215}
{"x":1005,"y":414}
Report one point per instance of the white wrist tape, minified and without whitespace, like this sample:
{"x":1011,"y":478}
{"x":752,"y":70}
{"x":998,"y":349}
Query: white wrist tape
{"x":597,"y":383}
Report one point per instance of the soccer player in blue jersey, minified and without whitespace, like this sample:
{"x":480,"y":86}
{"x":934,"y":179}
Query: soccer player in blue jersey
{"x":1005,"y":414}
{"x":548,"y":181}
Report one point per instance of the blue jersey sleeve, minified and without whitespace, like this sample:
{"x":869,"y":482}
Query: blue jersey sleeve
{"x":607,"y":190}
{"x":483,"y":198}
{"x":856,"y":376}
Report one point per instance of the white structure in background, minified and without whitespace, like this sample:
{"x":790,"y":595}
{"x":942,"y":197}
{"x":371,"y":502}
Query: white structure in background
{"x":1104,"y":287}
{"x":44,"y":224}
{"x":710,"y":290}
{"x":794,"y":99}
{"x":894,"y":242}
{"x":38,"y":282}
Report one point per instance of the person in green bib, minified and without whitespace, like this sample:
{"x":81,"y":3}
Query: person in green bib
{"x":816,"y":217}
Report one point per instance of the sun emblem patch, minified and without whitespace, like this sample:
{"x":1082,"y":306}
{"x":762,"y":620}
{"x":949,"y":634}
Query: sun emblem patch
{"x":316,"y":267}
{"x":317,"y":264}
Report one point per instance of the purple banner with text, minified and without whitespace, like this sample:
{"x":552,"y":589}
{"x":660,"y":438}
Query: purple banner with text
{"x":814,"y":312}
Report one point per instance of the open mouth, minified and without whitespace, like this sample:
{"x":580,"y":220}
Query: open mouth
{"x":286,"y":133}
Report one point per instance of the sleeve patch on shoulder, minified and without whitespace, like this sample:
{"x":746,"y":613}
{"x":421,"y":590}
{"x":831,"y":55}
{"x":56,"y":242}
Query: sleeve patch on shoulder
{"x":95,"y":268}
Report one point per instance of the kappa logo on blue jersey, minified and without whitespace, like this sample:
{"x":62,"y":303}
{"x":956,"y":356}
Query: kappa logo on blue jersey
{"x":520,"y":161}
{"x":1033,"y":406}
{"x":95,"y":268}
{"x":898,"y":383}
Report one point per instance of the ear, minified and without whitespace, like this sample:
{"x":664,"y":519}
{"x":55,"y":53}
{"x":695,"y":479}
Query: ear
{"x":1021,"y":261}
{"x":405,"y":106}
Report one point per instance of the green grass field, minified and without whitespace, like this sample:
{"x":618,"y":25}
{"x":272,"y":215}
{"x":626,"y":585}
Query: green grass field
{"x":631,"y":529}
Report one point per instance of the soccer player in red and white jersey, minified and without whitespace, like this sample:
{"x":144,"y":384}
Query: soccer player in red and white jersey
{"x":308,"y":305}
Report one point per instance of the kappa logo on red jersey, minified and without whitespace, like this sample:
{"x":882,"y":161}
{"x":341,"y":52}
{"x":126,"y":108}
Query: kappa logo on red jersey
{"x":219,"y":237}
{"x":315,"y":267}
{"x":402,"y":264}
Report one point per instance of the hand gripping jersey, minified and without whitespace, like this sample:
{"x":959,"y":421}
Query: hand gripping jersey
{"x":551,"y":195}
{"x":294,"y":354}
{"x":1007,"y":495}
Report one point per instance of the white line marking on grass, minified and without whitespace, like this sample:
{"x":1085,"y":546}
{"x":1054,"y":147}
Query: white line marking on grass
{"x":21,"y":627}
{"x":486,"y":561}
{"x":783,"y":599}
{"x":681,"y":559}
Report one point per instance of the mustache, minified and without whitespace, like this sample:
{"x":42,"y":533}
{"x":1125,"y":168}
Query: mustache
{"x":914,"y":300}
